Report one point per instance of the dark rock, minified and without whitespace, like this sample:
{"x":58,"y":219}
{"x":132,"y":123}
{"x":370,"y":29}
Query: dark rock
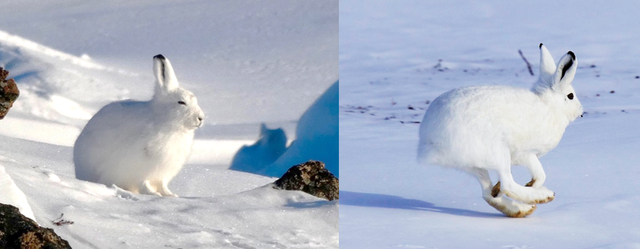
{"x":18,"y":231}
{"x":8,"y":92}
{"x":310,"y":177}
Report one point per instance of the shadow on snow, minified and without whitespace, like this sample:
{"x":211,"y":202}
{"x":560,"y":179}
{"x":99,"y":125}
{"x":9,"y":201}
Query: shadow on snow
{"x":396,"y":202}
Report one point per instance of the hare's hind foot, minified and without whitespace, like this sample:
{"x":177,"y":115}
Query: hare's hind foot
{"x":509,"y":207}
{"x":492,"y":195}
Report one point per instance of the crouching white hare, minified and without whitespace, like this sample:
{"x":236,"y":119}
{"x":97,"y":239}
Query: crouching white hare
{"x":483,"y":128}
{"x":140,"y":145}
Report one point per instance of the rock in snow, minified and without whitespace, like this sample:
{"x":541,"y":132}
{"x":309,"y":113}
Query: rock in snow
{"x":18,"y":231}
{"x":8,"y":92}
{"x":312,"y":178}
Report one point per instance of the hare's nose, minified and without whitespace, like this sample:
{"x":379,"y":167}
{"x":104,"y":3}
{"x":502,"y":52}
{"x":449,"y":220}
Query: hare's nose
{"x":200,"y":122}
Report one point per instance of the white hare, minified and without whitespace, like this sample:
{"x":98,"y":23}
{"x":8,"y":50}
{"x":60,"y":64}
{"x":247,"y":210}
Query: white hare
{"x":140,"y":145}
{"x":483,"y":128}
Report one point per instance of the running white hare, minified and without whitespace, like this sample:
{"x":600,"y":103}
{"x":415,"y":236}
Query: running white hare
{"x":483,"y":128}
{"x":140,"y":145}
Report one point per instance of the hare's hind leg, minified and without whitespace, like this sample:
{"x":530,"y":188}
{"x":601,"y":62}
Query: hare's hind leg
{"x":518,"y":192}
{"x":506,"y":206}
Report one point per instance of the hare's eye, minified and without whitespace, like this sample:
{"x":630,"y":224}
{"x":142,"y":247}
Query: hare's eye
{"x":570,"y":96}
{"x":182,"y":102}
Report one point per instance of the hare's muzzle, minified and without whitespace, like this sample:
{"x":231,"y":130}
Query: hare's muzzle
{"x":200,"y":121}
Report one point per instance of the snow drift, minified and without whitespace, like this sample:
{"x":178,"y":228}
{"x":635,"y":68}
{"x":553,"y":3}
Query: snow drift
{"x":269,"y":147}
{"x":12,"y":195}
{"x":316,"y":139}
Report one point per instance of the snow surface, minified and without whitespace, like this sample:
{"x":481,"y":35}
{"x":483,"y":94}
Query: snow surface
{"x":248,"y":62}
{"x":316,"y":137}
{"x":12,"y":195}
{"x":271,"y":144}
{"x":397,"y":56}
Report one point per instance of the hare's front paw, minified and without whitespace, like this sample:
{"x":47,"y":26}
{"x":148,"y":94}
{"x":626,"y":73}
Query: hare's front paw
{"x":529,"y":195}
{"x":164,"y":191}
{"x":545,"y":195}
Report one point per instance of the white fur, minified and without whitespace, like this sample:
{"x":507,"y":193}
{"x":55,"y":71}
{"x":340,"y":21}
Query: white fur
{"x":482,"y":128}
{"x":140,"y":145}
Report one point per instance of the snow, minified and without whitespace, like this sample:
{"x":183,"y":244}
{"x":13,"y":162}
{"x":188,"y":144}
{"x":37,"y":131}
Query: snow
{"x":317,"y":139}
{"x":269,"y":147}
{"x":316,"y":136}
{"x":233,"y":53}
{"x":12,"y":195}
{"x":395,"y":57}
{"x":247,"y":62}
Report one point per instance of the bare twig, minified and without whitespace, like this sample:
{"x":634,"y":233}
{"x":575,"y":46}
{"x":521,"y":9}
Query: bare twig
{"x":59,"y":221}
{"x":525,"y":61}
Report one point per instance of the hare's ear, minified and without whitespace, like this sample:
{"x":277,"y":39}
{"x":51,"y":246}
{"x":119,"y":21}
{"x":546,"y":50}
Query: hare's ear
{"x":566,"y":70}
{"x":547,"y":65}
{"x":165,"y":76}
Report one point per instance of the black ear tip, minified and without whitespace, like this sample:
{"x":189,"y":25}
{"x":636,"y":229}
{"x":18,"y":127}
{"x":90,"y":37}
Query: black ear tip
{"x":540,"y":45}
{"x":159,"y":56}
{"x":572,"y":55}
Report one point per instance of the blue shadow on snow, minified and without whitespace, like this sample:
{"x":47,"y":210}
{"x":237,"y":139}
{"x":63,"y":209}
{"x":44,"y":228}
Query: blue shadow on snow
{"x":389,"y":201}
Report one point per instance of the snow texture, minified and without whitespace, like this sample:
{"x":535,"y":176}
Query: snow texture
{"x":248,"y":62}
{"x":397,"y":57}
